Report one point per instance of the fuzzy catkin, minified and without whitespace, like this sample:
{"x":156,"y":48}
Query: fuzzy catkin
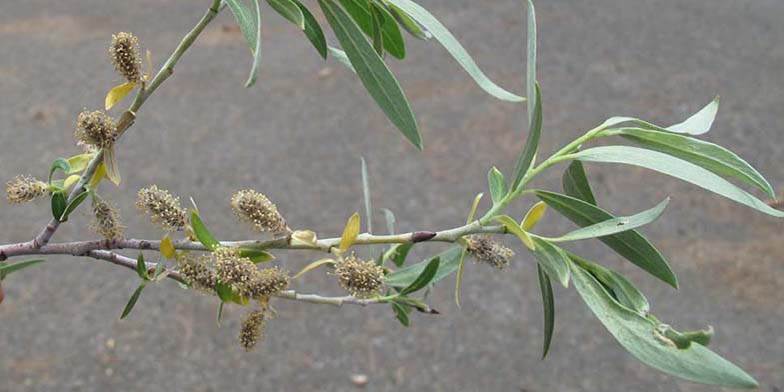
{"x":252,"y":329}
{"x":486,"y":251}
{"x":256,"y":209}
{"x":95,"y":129}
{"x":23,"y":189}
{"x":126,"y":56}
{"x":164,"y":209}
{"x":360,"y":278}
{"x":106,"y":220}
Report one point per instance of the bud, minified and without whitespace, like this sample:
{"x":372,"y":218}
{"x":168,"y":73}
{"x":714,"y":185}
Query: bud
{"x":163,"y":208}
{"x":267,"y":282}
{"x":252,"y":330}
{"x":23,"y":189}
{"x":126,"y":56}
{"x":95,"y":129}
{"x":196,"y":272}
{"x":360,"y":278}
{"x":484,"y":250}
{"x":106,"y":220}
{"x":254,"y":208}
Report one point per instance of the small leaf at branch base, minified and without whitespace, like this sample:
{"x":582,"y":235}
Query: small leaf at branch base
{"x":405,"y":276}
{"x":58,"y":204}
{"x":117,"y":93}
{"x":73,"y":204}
{"x":312,"y":266}
{"x":79,"y":162}
{"x":167,"y":248}
{"x":497,"y":184}
{"x":257,"y":255}
{"x":533,"y":216}
{"x":141,"y":268}
{"x":59,"y":164}
{"x":111,"y":165}
{"x":350,"y":232}
{"x":100,"y":174}
{"x":515,"y":229}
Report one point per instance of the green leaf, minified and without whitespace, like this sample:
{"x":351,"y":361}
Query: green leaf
{"x":313,"y":30}
{"x":7,"y":269}
{"x":141,"y":267}
{"x":548,"y":303}
{"x":79,"y":162}
{"x":424,"y":278}
{"x":629,"y":244}
{"x":643,"y":339}
{"x":614,"y":225}
{"x":619,"y":287}
{"x":341,"y":57}
{"x":553,"y":260}
{"x":526,"y":158}
{"x":289,"y":10}
{"x":406,"y":276}
{"x":397,"y":254}
{"x":699,"y":122}
{"x":224,"y":292}
{"x":530,"y":78}
{"x":372,"y":71}
{"x":249,"y":21}
{"x":202,"y":234}
{"x":59,"y":164}
{"x":378,"y":21}
{"x":712,"y":157}
{"x":514,"y":228}
{"x":58,"y":204}
{"x":407,"y":23}
{"x":449,"y":42}
{"x":575,"y":183}
{"x":220,"y":313}
{"x":360,"y":11}
{"x":132,"y":301}
{"x":497,"y":184}
{"x":73,"y":204}
{"x":401,"y":312}
{"x":366,"y":195}
{"x":389,"y":216}
{"x":677,"y":168}
{"x":256,"y":255}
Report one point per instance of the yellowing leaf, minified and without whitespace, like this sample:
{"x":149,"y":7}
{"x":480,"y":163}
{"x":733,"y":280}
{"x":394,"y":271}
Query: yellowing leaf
{"x":513,"y":228}
{"x":117,"y":93}
{"x":303,"y":238}
{"x":350,"y":233}
{"x":70,"y":181}
{"x":79,"y":162}
{"x":112,"y":169}
{"x":167,"y":248}
{"x":100,"y":174}
{"x":312,"y":266}
{"x":533,"y":216}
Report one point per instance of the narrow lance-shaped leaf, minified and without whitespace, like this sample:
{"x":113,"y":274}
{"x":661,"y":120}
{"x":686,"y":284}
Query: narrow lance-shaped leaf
{"x":289,"y":10}
{"x":427,"y":275}
{"x":548,"y":303}
{"x":378,"y":36}
{"x":553,"y":260}
{"x":526,"y":157}
{"x":450,"y":43}
{"x":132,"y":301}
{"x":699,"y":122}
{"x":615,"y":225}
{"x":515,"y":229}
{"x":405,"y":276}
{"x":249,"y":21}
{"x":715,"y":158}
{"x":575,"y":183}
{"x":497,"y":184}
{"x":202,"y":234}
{"x":141,"y":268}
{"x":366,"y":194}
{"x":58,"y":204}
{"x":350,"y":232}
{"x":619,"y":287}
{"x":408,"y":24}
{"x":677,"y":168}
{"x":401,"y":313}
{"x":73,"y":204}
{"x":461,"y":262}
{"x":360,"y":11}
{"x":313,"y":30}
{"x":341,"y":57}
{"x":256,"y":50}
{"x":374,"y":74}
{"x":629,"y":244}
{"x":643,"y":339}
{"x":530,"y":79}
{"x":6,"y":269}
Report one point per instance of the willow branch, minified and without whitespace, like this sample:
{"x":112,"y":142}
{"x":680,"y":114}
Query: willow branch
{"x":128,"y":117}
{"x":81,"y":248}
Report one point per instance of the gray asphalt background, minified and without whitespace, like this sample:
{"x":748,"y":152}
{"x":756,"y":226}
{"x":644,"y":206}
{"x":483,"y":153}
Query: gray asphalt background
{"x":298,"y":137}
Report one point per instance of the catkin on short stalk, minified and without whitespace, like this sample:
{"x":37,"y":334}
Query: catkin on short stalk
{"x":164,"y":209}
{"x":197,"y":273}
{"x":486,"y":251}
{"x":23,"y":189}
{"x":106,"y":220}
{"x":360,"y":278}
{"x":95,"y":129}
{"x":126,"y":56}
{"x":256,"y":209}
{"x":252,"y":329}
